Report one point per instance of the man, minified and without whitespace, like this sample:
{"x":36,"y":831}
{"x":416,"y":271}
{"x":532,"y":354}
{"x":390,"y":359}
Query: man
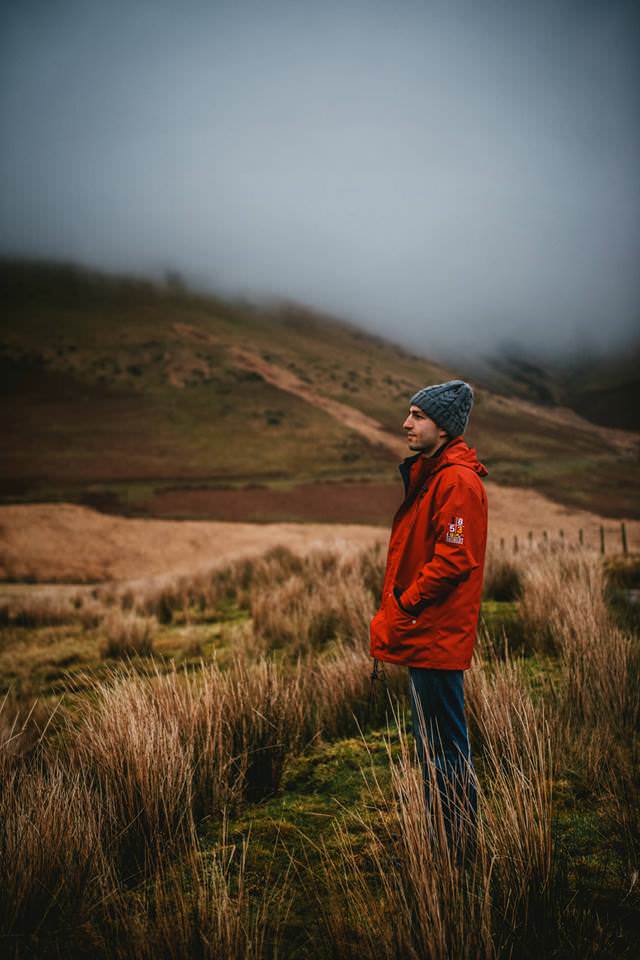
{"x":433,"y":584}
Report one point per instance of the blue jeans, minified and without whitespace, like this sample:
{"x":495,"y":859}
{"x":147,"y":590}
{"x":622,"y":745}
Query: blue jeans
{"x":439,"y":696}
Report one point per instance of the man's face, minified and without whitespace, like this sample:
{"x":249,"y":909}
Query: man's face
{"x":423,"y":434}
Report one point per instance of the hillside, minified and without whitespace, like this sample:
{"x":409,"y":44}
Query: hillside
{"x":122,"y":393}
{"x":604,"y":389}
{"x":607,"y":391}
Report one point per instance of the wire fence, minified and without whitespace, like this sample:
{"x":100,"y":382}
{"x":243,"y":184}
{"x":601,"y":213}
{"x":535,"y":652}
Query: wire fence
{"x":607,"y":540}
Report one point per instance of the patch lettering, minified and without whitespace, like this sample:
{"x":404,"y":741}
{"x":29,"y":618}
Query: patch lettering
{"x":455,"y":532}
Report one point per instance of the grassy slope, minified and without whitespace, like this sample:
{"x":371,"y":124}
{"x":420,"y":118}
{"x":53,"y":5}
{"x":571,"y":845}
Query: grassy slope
{"x":89,"y":368}
{"x":604,"y":390}
{"x":608,"y":392}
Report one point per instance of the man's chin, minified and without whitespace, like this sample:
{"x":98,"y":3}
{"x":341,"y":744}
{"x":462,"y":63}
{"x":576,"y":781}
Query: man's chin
{"x":425,"y":451}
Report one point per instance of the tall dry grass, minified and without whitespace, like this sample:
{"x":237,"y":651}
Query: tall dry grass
{"x":149,"y":756}
{"x":549,"y":579}
{"x":23,"y":727}
{"x":309,"y":610}
{"x":100,"y":847}
{"x":204,"y":906}
{"x":565,"y":613}
{"x":421,"y":888}
{"x":598,"y":701}
{"x":51,"y":854}
{"x":292,"y":599}
{"x":517,"y":750}
{"x":502,"y":574}
{"x":126,"y":634}
{"x":599,"y":659}
{"x":165,"y":746}
{"x":50,"y":607}
{"x":619,"y":795}
{"x":174,"y":599}
{"x":65,"y":892}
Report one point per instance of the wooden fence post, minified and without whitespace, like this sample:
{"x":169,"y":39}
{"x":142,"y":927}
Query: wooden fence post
{"x":581,"y":536}
{"x":502,"y":543}
{"x":601,"y":539}
{"x":623,"y":532}
{"x":530,"y":535}
{"x":515,"y":543}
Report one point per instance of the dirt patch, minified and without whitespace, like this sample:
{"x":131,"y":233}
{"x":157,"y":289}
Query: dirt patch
{"x":513,"y":511}
{"x":373,"y":503}
{"x":284,"y":379}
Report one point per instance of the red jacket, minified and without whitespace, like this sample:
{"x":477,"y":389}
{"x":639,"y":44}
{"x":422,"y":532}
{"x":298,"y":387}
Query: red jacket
{"x":435,"y":563}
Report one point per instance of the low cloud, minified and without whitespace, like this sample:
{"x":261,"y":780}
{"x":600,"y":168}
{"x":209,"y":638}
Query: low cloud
{"x":449,"y":174}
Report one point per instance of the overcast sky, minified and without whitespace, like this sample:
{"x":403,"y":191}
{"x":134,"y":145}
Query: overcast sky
{"x":450,"y":174}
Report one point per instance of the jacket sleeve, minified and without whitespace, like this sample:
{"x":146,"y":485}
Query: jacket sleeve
{"x":459,"y":519}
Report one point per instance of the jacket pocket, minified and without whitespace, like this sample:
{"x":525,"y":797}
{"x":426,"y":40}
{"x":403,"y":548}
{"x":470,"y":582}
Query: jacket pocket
{"x":402,"y":628}
{"x":399,"y":612}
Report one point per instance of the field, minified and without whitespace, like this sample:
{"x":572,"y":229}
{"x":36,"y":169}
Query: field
{"x":195,"y":496}
{"x":65,"y":543}
{"x":191,"y":767}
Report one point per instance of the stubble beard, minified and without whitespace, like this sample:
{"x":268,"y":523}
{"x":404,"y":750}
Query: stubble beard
{"x":431,"y":450}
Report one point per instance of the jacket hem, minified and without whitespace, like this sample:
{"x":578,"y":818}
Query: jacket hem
{"x":428,"y":662}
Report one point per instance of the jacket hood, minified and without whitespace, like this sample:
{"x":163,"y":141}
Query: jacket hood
{"x":458,"y":451}
{"x":455,"y":451}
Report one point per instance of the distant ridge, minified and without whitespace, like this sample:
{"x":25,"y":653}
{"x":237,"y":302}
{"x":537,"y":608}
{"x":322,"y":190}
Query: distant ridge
{"x":603,"y":389}
{"x":117,"y":388}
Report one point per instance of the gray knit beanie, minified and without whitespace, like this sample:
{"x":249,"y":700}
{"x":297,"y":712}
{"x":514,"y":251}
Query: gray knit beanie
{"x":448,"y":404}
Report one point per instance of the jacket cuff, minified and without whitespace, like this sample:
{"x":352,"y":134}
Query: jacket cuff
{"x":410,"y":599}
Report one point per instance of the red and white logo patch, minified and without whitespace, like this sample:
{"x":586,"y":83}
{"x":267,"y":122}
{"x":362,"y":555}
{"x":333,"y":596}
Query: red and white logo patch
{"x":455,"y":532}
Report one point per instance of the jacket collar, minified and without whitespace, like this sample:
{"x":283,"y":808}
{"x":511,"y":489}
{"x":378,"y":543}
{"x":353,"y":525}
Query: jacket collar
{"x":454,"y":451}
